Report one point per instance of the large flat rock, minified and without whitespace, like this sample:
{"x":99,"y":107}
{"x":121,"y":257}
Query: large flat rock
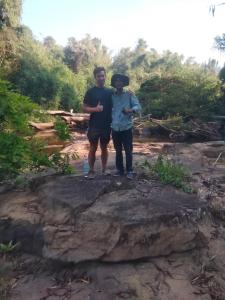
{"x":71,"y":219}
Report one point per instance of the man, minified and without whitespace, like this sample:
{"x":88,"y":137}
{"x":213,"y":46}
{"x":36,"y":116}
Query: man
{"x":125,"y":105}
{"x":98,"y":103}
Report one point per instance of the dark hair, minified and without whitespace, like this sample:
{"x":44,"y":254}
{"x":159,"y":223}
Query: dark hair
{"x":98,"y":70}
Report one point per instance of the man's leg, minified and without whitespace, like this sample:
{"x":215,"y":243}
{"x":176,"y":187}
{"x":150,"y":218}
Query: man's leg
{"x":104,"y":156}
{"x":93,"y":145}
{"x":104,"y":141}
{"x":127,"y":140}
{"x":117,"y":142}
{"x":92,"y":155}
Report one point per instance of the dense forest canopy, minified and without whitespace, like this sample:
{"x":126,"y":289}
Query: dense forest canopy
{"x":10,"y":13}
{"x":54,"y":76}
{"x":57,"y":77}
{"x":46,"y":75}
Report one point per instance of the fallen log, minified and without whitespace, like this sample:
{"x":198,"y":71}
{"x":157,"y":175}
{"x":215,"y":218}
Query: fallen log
{"x":192,"y":129}
{"x":58,"y":113}
{"x":76,"y":119}
{"x":67,"y":114}
{"x":42,"y":126}
{"x":81,"y":115}
{"x":155,"y":121}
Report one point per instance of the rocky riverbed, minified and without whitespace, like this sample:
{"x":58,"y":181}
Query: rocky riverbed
{"x":111,"y":238}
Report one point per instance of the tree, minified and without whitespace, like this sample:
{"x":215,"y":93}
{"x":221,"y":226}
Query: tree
{"x":42,"y":77}
{"x":141,"y":47}
{"x":10,"y":13}
{"x":220,"y":42}
{"x":190,"y":91}
{"x":83,"y":55}
{"x":140,"y":63}
{"x":122,"y":61}
{"x":55,"y":50}
{"x":49,"y":42}
{"x":212,"y":8}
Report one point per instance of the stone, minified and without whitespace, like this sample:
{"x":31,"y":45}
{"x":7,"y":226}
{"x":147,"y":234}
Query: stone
{"x":71,"y":219}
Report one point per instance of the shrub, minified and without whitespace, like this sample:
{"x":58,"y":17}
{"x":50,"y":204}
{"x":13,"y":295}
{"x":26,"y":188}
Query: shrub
{"x":19,"y":151}
{"x":62,"y":129}
{"x":168,"y":172}
{"x":191,"y":92}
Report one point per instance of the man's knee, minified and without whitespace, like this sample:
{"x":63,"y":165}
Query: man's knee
{"x":104,"y":147}
{"x":128,"y":149}
{"x":93,"y":148}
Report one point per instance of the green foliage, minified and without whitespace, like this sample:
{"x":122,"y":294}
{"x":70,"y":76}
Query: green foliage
{"x":193,"y":91}
{"x":10,"y":13}
{"x":15,"y":110}
{"x":140,"y":63}
{"x":18,"y":154}
{"x":55,"y":50}
{"x":42,"y":77}
{"x":8,"y":51}
{"x":62,"y":129}
{"x":57,"y":77}
{"x":168,"y":172}
{"x":62,"y":163}
{"x":168,"y":85}
{"x":19,"y":151}
{"x":85,"y":54}
{"x":7,"y":248}
{"x":82,"y":57}
{"x":13,"y":155}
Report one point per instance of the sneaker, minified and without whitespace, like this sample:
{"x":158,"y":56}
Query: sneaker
{"x":118,"y":173}
{"x":130,"y":175}
{"x":90,"y":175}
{"x":106,"y":173}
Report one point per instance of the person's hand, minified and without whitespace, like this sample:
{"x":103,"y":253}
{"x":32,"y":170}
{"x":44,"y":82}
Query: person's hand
{"x":99,"y":107}
{"x":131,"y":93}
{"x":127,"y":110}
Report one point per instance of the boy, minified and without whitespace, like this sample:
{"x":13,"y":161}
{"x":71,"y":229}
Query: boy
{"x":124,"y":106}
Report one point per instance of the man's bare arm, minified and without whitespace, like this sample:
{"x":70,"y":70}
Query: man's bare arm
{"x":89,"y":109}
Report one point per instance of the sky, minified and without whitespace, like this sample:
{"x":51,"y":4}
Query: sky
{"x":182,"y":26}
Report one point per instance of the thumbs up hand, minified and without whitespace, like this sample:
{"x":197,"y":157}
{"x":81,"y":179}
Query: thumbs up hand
{"x":99,"y":107}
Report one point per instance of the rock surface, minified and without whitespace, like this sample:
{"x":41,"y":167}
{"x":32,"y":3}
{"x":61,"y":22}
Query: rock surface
{"x":71,"y":219}
{"x":134,"y":240}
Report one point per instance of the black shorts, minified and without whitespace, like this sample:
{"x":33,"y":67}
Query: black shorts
{"x":94,"y":135}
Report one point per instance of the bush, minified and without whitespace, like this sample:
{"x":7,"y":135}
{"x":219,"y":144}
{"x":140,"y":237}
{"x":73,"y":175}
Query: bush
{"x":15,"y":110}
{"x":62,"y":129}
{"x":191,"y":92}
{"x":19,"y":151}
{"x":168,"y":172}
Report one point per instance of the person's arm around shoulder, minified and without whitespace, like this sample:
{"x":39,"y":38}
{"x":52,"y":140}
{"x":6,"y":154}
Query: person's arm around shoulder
{"x":87,"y":108}
{"x":135,"y":104}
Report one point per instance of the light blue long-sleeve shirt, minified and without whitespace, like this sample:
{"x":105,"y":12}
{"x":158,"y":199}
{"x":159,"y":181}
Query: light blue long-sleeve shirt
{"x":121,"y":121}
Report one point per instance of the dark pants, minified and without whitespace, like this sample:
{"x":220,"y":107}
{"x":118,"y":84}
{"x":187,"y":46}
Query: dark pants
{"x":123,"y":140}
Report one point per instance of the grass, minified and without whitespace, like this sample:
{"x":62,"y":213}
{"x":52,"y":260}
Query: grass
{"x":7,"y":248}
{"x":169,"y":173}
